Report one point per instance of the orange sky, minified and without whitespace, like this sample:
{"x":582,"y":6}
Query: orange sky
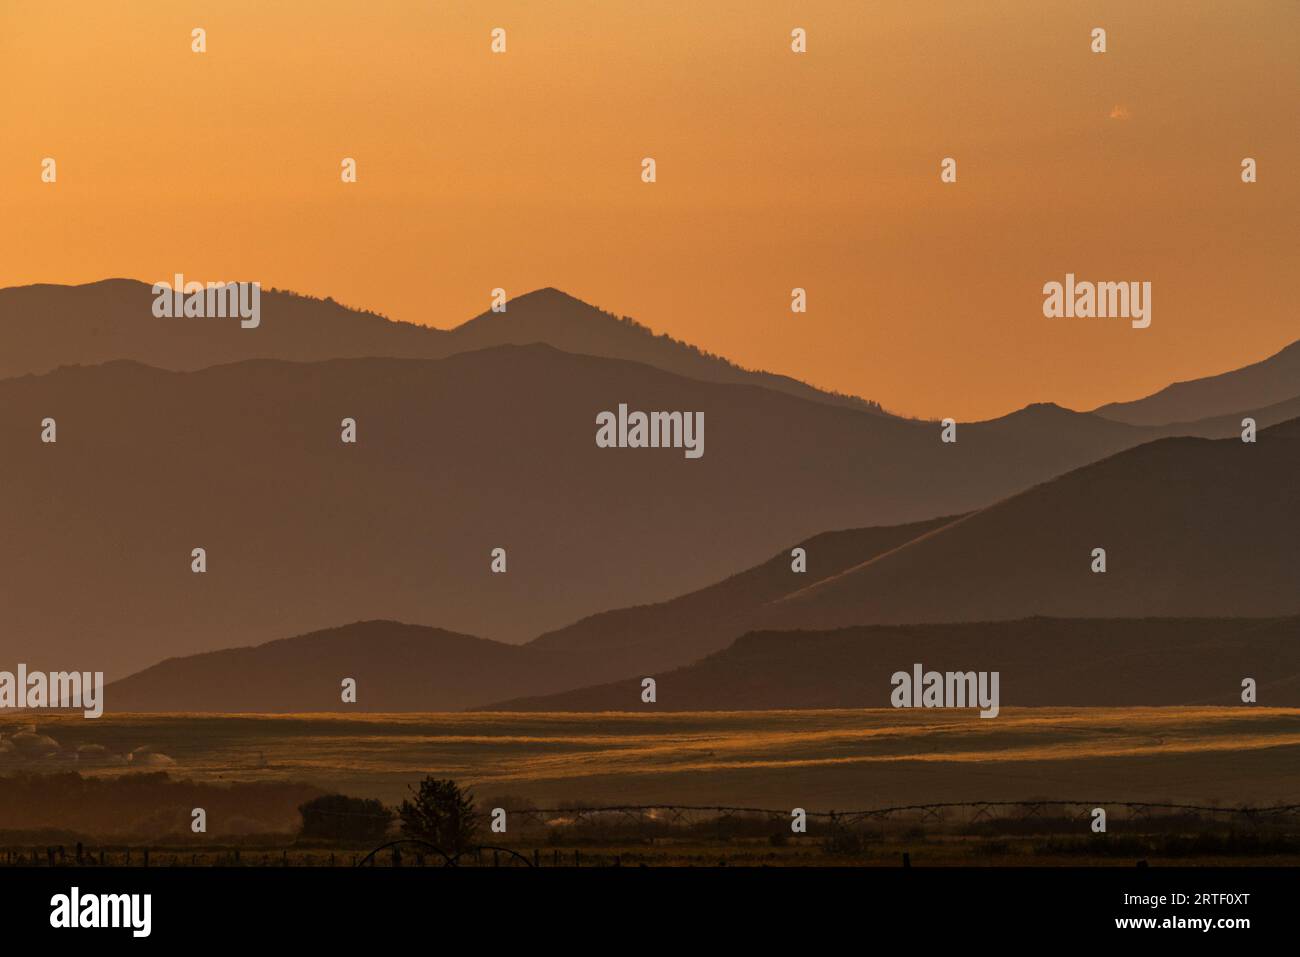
{"x":775,"y":170}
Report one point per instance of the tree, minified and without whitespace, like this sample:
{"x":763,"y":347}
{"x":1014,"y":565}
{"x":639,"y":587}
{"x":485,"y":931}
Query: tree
{"x":442,"y":814}
{"x":342,"y":818}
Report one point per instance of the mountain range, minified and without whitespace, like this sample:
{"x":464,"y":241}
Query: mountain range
{"x":1041,"y":662}
{"x":43,"y":327}
{"x":183,"y":433}
{"x":984,"y":574}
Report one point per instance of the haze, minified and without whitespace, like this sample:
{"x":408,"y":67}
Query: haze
{"x":774,"y":171}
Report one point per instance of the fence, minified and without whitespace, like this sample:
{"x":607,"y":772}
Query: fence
{"x":572,"y":824}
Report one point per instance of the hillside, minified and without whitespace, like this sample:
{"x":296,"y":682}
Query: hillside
{"x":1267,"y":382}
{"x":1191,"y":528}
{"x":648,"y":637}
{"x":1041,"y":662}
{"x":397,"y":667}
{"x":454,"y":457}
{"x":496,"y":448}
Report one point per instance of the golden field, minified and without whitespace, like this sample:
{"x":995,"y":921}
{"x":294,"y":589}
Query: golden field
{"x":779,"y":759}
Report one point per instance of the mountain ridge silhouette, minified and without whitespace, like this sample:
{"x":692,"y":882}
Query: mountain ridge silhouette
{"x":112,"y":319}
{"x":770,"y":600}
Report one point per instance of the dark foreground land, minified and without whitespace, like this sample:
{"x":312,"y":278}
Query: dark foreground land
{"x":913,"y":839}
{"x":1185,"y":785}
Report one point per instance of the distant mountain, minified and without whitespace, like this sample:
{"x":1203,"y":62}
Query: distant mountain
{"x":1190,"y":527}
{"x":43,"y":327}
{"x":396,"y":667}
{"x":401,"y":667}
{"x":1268,"y":382}
{"x":645,"y":638}
{"x":1042,"y":662}
{"x":1170,"y":559}
{"x":456,"y":457}
{"x":557,"y":319}
{"x":1028,"y":555}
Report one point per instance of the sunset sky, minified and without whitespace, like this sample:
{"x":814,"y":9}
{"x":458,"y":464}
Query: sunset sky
{"x":775,"y":170}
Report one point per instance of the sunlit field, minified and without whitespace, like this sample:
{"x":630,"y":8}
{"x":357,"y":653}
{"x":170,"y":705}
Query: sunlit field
{"x":843,"y":760}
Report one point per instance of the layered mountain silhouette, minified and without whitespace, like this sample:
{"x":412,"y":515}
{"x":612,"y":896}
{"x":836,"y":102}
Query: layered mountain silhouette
{"x":646,"y":638}
{"x":1190,"y":527}
{"x":454,"y":457}
{"x":402,"y":667}
{"x":472,"y":439}
{"x":43,"y":327}
{"x":1124,"y":644}
{"x":1267,"y":382}
{"x":1042,"y":662}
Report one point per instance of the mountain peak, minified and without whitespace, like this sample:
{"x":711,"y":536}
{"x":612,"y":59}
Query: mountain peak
{"x":542,"y":311}
{"x":549,"y":294}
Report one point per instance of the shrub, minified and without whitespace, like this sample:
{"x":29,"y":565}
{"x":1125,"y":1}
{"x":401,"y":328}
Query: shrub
{"x":341,"y":818}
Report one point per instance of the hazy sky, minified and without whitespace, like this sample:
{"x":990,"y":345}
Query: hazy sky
{"x":775,"y":170}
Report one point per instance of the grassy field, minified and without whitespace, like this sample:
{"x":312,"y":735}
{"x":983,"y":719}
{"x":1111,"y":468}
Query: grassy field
{"x":814,"y":759}
{"x":70,"y":785}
